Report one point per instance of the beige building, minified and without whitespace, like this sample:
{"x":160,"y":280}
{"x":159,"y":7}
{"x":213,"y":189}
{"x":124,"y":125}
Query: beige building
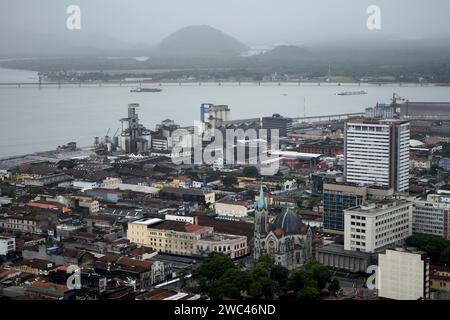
{"x":31,"y":224}
{"x":183,"y":238}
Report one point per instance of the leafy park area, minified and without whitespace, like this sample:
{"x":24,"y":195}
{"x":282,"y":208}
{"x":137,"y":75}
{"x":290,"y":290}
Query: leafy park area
{"x":219,"y":278}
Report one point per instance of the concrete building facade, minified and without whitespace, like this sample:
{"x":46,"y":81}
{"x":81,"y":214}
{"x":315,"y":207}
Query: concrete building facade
{"x":376,"y":226}
{"x":377,"y":152}
{"x":431,"y":216}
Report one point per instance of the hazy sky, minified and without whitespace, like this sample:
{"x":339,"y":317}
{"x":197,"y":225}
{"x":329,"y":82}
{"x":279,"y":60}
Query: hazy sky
{"x":252,"y":21}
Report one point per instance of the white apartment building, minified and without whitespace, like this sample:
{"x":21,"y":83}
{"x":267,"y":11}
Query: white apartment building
{"x":373,"y":227}
{"x":431,"y":216}
{"x":377,"y":152}
{"x":403,"y":274}
{"x":7,"y":245}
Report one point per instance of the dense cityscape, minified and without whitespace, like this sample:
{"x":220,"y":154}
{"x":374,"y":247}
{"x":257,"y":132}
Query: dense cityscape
{"x":123,"y":220}
{"x":224,"y":159}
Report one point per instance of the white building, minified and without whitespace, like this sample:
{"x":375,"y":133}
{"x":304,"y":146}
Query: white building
{"x":233,"y":246}
{"x":370,"y":228}
{"x":7,"y":245}
{"x":377,"y":152}
{"x":403,"y":275}
{"x":85,"y":185}
{"x":431,"y":216}
{"x":187,"y":219}
{"x":237,"y":209}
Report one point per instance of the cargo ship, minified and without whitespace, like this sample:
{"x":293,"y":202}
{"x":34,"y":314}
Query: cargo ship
{"x":145,"y":90}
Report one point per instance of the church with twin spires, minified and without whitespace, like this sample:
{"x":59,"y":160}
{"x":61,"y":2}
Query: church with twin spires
{"x":286,"y":239}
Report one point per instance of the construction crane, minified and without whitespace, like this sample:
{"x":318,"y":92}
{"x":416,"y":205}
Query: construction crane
{"x":115,"y":134}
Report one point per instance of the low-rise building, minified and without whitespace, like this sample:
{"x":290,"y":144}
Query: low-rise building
{"x":188,"y":195}
{"x":431,"y":216}
{"x":41,"y":289}
{"x":46,"y":180}
{"x":440,"y":278}
{"x":34,"y":266}
{"x":7,"y":245}
{"x":57,"y":255}
{"x":403,"y":274}
{"x":378,"y":225}
{"x":230,"y":245}
{"x":105,"y":194}
{"x":29,"y":224}
{"x":335,"y":256}
{"x":237,"y":209}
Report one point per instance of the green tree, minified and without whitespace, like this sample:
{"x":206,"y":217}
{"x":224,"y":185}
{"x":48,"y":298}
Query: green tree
{"x":445,"y":256}
{"x":250,"y":171}
{"x":334,"y":286}
{"x":308,"y":293}
{"x":280,"y":275}
{"x":182,"y":276}
{"x":433,"y":245}
{"x":229,"y":180}
{"x":297,"y":280}
{"x":212,"y":268}
{"x":9,"y":192}
{"x":434,"y":169}
{"x":268,"y":287}
{"x":312,"y":202}
{"x":319,"y":273}
{"x":255,"y":290}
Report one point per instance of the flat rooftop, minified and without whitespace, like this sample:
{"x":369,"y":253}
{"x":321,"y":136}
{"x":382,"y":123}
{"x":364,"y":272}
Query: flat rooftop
{"x":148,"y":222}
{"x":376,"y":207}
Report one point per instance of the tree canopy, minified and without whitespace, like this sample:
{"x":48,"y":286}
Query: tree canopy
{"x":438,"y":248}
{"x":219,"y":278}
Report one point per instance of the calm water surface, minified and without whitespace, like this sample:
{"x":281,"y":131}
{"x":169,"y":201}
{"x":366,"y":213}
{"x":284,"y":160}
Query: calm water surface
{"x":33,"y":119}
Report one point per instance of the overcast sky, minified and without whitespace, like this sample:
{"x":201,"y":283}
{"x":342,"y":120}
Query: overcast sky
{"x":251,"y":21}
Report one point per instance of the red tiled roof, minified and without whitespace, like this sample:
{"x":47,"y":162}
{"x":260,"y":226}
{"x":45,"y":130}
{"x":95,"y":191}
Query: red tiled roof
{"x":159,"y":294}
{"x":179,"y":226}
{"x":124,"y":261}
{"x":49,"y":285}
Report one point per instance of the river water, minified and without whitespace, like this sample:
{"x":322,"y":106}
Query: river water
{"x":38,"y":119}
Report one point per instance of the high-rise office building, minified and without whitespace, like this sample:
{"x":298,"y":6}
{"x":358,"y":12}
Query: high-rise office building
{"x":377,"y":152}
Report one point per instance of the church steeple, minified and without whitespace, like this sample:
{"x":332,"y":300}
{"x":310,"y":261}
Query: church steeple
{"x":261,"y":204}
{"x":261,"y":224}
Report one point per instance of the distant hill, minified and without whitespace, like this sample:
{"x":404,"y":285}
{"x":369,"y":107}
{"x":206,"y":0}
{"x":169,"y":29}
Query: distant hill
{"x":285,"y":52}
{"x":20,"y":43}
{"x":198,"y":41}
